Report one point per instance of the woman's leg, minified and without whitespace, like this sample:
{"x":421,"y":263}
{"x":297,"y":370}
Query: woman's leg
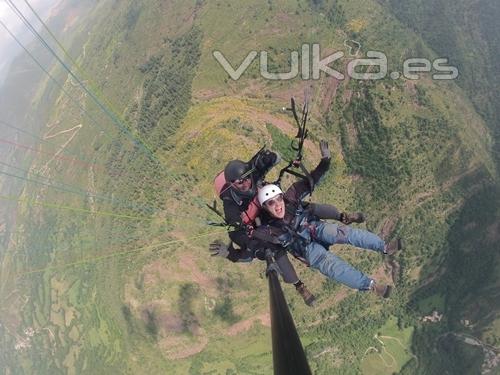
{"x":331,"y":234}
{"x":335,"y":268}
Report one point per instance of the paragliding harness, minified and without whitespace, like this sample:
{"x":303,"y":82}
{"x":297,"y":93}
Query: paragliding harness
{"x":291,"y":237}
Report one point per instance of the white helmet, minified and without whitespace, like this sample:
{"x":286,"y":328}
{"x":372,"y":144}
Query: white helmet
{"x":268,"y":192}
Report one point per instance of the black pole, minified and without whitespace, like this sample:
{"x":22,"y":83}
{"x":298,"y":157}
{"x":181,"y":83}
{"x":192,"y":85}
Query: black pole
{"x":288,"y":355}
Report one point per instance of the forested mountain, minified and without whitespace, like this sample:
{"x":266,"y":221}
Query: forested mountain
{"x":107,"y":165}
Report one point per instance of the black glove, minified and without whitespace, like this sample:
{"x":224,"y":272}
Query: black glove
{"x":218,"y":248}
{"x":349,"y":218}
{"x":325,"y":151}
{"x":276,"y":251}
{"x":266,"y":160}
{"x":260,"y":254}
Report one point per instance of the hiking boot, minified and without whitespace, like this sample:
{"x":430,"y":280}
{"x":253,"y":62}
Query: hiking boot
{"x":383,"y":291}
{"x":354,"y":217}
{"x":393,"y":246}
{"x":306,"y":295}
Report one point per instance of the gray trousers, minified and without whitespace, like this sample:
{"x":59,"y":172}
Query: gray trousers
{"x":287,"y":271}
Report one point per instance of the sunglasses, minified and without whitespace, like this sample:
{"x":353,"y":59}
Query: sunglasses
{"x":274,"y":201}
{"x":241,"y":181}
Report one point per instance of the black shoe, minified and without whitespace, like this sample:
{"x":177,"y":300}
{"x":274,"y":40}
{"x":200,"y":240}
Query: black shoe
{"x":383,"y":291}
{"x":393,"y":246}
{"x":306,"y":295}
{"x":354,"y":217}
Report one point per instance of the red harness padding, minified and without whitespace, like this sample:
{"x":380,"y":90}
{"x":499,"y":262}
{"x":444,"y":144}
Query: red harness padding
{"x":251,"y":213}
{"x":220,"y":184}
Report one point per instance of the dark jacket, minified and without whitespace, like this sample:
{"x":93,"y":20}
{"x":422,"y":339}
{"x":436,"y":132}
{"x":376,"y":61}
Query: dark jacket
{"x":235,"y":202}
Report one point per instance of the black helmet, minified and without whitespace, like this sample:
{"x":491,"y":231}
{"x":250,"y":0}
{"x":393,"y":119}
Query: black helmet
{"x":235,"y":169}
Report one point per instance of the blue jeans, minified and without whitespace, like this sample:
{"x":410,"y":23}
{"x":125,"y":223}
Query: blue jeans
{"x":331,"y":265}
{"x":330,"y":234}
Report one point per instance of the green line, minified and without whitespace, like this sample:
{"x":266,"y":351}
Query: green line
{"x":93,"y":86}
{"x":114,"y":117}
{"x":100,"y":94}
{"x":73,"y":189}
{"x":86,"y":194}
{"x":50,"y":205}
{"x":38,"y":63}
{"x":102,"y":257}
{"x":111,"y":114}
{"x":77,"y":157}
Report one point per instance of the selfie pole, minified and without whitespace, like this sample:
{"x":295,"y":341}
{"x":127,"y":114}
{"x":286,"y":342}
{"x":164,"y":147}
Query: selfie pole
{"x":288,"y":355}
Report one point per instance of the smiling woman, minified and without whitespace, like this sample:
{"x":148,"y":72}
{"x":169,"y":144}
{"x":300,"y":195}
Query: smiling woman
{"x":271,"y":198}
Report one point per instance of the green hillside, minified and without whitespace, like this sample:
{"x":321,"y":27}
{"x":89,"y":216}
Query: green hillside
{"x":104,"y":267}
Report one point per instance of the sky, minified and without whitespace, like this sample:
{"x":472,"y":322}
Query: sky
{"x":8,"y":47}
